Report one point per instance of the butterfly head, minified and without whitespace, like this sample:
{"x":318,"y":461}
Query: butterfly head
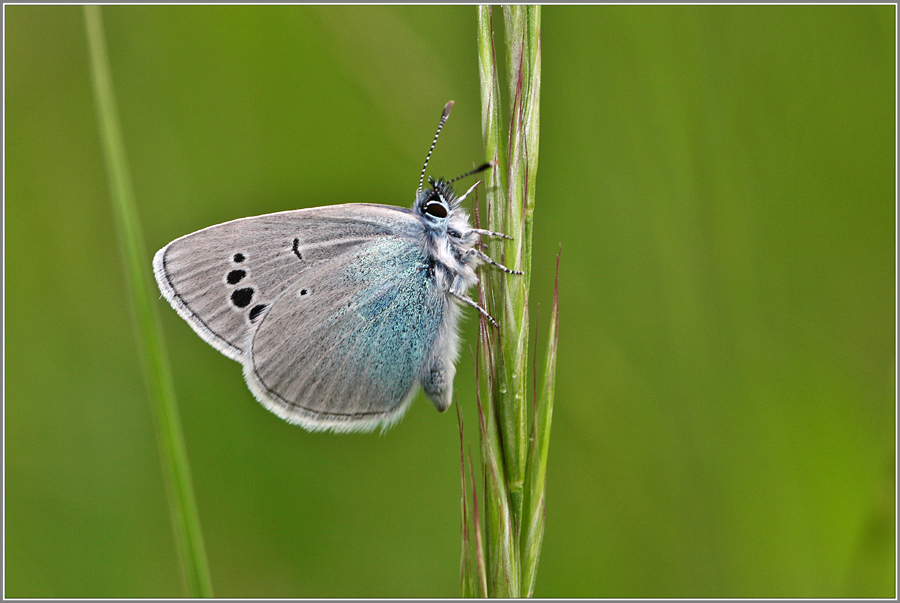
{"x":437,"y":202}
{"x":438,"y":206}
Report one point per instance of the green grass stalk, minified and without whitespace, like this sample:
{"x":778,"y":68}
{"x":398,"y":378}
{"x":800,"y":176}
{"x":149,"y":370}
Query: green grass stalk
{"x":182,"y":505}
{"x":514,"y":441}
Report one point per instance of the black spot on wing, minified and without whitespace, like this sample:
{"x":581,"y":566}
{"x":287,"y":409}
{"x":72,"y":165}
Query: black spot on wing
{"x":256,"y":311}
{"x":242,"y":297}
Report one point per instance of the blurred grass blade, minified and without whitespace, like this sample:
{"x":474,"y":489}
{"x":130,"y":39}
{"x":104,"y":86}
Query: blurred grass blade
{"x":182,"y":505}
{"x":535,"y":486}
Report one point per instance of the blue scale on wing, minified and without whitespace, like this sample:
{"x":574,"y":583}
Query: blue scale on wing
{"x":397,"y":316}
{"x":355,"y":342}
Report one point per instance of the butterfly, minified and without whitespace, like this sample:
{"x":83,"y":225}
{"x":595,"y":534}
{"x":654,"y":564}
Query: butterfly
{"x":337,"y":313}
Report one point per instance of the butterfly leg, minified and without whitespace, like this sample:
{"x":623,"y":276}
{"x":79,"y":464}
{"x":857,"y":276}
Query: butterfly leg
{"x":470,"y":302}
{"x":484,"y":258}
{"x":490,"y":233}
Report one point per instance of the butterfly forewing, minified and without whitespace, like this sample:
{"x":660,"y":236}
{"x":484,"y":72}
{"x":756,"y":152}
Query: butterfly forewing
{"x":343,"y":348}
{"x":224,"y":278}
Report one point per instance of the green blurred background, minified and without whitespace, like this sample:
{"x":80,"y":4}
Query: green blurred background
{"x":720,"y":179}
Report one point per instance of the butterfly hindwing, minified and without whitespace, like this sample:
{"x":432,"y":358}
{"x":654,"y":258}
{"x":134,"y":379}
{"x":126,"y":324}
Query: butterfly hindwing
{"x":345,"y":346}
{"x":224,"y":278}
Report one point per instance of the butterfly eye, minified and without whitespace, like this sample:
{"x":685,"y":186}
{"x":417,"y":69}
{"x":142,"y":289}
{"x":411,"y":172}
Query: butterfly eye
{"x":436,"y":209}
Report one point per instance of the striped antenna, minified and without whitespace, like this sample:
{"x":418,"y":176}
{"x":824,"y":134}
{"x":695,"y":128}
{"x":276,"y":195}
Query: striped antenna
{"x":480,"y":168}
{"x":444,"y":117}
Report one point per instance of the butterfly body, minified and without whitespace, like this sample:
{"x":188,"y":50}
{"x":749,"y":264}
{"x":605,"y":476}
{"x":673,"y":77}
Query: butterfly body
{"x":337,"y":313}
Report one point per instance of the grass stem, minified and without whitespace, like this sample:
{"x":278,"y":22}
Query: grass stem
{"x":182,"y":505}
{"x":514,"y":441}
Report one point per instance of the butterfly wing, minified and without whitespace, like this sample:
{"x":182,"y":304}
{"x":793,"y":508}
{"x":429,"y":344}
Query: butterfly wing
{"x":344,"y":346}
{"x":222,"y":279}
